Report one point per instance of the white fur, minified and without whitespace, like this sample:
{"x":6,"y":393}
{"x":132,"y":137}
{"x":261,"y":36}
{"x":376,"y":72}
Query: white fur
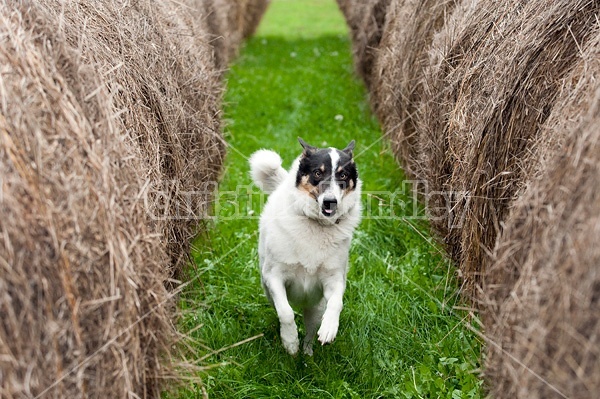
{"x":266,"y":170}
{"x":303,"y":254}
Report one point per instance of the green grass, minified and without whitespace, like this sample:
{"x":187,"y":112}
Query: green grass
{"x":400,"y":332}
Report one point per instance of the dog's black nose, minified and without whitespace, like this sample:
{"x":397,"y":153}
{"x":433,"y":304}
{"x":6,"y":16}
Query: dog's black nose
{"x":329,"y":206}
{"x":329,"y":203}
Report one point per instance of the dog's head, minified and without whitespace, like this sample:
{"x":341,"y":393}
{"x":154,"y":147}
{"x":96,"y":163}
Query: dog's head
{"x":328,"y":176}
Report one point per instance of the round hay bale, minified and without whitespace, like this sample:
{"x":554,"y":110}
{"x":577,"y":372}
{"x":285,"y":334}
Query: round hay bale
{"x":495,"y":106}
{"x":461,"y":88}
{"x":105,"y":107}
{"x":366,"y":20}
{"x":252,"y":15}
{"x":224,"y":38}
{"x":230,"y":22}
{"x":494,"y":72}
{"x":543,"y":288}
{"x":400,"y":66}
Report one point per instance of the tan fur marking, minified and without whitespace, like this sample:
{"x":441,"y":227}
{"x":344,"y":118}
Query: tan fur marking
{"x":350,"y":187}
{"x":322,"y":168}
{"x":307,"y":187}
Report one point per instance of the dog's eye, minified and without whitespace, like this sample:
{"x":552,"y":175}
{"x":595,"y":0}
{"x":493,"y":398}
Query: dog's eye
{"x":318,"y":174}
{"x":343,"y":176}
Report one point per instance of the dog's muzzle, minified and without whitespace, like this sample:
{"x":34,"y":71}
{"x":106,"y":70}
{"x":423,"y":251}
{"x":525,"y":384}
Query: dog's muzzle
{"x":329,"y":206}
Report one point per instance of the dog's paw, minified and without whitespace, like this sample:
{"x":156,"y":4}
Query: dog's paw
{"x":328,"y":331}
{"x":307,"y":348}
{"x":291,"y":346}
{"x":289,"y":338}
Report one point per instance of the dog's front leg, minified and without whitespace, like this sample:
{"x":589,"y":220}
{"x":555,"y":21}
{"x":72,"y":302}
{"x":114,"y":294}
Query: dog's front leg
{"x":288,"y":330}
{"x":333,"y":292}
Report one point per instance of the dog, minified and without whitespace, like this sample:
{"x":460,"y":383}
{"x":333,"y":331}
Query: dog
{"x":304,"y":237}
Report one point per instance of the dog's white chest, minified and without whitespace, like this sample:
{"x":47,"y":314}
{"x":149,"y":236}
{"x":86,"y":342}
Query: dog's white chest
{"x":313,"y":253}
{"x":302,"y":241}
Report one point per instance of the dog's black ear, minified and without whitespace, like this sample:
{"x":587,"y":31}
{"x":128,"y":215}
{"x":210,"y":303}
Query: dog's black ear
{"x":308,"y":149}
{"x":349,"y":148}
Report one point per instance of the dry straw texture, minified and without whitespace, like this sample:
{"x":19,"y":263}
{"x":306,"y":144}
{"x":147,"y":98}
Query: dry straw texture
{"x":486,"y":87}
{"x":229,"y":23}
{"x":401,"y":62}
{"x":494,"y":105}
{"x":109,"y":124}
{"x":366,"y":20}
{"x":543,"y":289}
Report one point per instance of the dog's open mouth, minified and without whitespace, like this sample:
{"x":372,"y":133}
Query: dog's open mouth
{"x":328,"y":208}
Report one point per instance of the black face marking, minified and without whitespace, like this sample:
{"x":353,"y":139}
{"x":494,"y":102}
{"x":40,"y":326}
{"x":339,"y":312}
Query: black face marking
{"x":317,"y":166}
{"x":315,"y":170}
{"x":346,"y":173}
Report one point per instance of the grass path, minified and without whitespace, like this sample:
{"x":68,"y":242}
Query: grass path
{"x":400,"y":334}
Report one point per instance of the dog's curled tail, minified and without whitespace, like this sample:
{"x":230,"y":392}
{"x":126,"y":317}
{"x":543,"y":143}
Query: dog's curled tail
{"x":266,"y":170}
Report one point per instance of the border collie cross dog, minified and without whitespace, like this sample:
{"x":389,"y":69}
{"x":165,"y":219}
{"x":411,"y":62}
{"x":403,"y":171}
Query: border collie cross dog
{"x":305,"y":232}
